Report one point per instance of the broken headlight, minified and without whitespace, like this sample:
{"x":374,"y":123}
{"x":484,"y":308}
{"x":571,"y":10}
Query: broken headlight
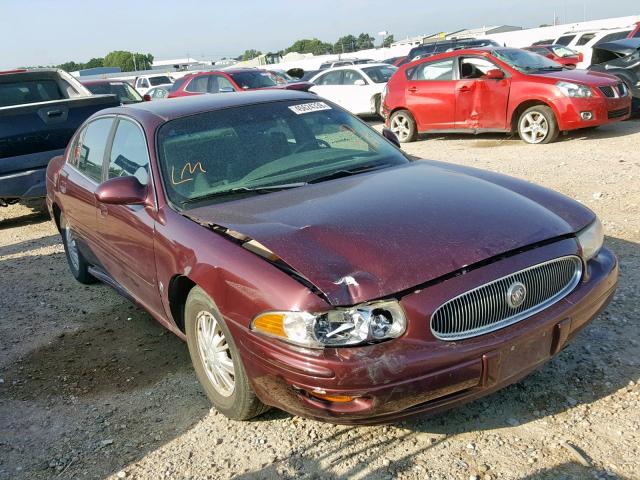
{"x":362,"y":324}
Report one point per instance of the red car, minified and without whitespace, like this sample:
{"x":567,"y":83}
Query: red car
{"x":558,"y":53}
{"x":636,"y":32}
{"x":231,"y":80}
{"x":254,"y":227}
{"x":500,"y":90}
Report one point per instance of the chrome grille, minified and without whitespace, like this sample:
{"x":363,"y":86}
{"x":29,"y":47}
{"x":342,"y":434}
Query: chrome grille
{"x":487,"y":308}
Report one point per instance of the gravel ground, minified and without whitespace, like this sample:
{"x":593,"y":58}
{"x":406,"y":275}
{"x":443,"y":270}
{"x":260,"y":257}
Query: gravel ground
{"x":91,"y":387}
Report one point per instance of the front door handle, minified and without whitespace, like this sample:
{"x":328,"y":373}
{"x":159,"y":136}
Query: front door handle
{"x":464,"y":89}
{"x":104,"y":210}
{"x":412,"y":89}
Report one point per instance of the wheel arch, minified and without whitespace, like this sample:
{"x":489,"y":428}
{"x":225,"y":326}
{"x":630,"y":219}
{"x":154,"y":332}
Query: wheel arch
{"x":515,"y":115}
{"x":177,"y":293}
{"x":56,"y":215}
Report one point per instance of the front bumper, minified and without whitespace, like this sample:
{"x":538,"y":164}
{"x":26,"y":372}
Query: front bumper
{"x":604,"y":110}
{"x":418,"y":373}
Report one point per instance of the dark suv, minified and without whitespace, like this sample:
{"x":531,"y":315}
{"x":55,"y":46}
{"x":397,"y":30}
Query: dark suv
{"x":429,"y":49}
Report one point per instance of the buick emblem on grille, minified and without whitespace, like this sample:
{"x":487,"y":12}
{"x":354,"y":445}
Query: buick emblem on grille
{"x":516,"y":294}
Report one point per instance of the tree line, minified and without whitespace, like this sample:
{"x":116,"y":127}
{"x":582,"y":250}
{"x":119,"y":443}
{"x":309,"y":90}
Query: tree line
{"x":126,"y":61}
{"x":346,"y":44}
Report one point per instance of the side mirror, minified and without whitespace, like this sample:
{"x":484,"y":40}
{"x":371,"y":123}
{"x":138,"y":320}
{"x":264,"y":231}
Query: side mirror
{"x":495,"y":74}
{"x":146,"y":97}
{"x":389,"y":135}
{"x":122,"y":191}
{"x":360,"y":82}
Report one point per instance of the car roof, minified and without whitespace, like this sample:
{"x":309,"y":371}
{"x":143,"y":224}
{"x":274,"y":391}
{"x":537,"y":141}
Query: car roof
{"x":185,"y":106}
{"x":358,"y":66}
{"x":101,"y":81}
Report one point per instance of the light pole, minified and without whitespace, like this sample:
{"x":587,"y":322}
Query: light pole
{"x":383,"y":34}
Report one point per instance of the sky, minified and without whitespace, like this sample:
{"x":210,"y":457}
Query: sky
{"x":48,"y":32}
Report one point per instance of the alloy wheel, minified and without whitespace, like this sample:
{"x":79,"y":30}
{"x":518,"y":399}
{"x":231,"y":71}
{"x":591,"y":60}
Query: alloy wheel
{"x":214,"y":353}
{"x":534,"y":127}
{"x":401,"y":126}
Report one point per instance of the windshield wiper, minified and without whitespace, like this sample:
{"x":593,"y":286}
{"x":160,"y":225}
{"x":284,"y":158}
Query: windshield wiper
{"x":550,"y":69}
{"x":236,"y":190}
{"x":347,"y":172}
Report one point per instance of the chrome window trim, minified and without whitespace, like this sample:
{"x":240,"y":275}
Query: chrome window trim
{"x":575,"y":280}
{"x":76,"y":137}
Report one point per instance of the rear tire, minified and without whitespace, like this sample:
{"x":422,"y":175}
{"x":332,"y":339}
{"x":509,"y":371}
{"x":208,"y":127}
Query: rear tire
{"x":404,"y":126}
{"x":77,"y":263}
{"x":217,"y":361}
{"x":538,"y":125}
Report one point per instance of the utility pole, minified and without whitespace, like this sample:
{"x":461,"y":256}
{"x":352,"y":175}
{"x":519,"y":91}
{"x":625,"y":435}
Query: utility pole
{"x":135,"y":69}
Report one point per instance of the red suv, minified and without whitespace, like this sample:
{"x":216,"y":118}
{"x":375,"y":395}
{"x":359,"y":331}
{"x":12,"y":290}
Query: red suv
{"x":558,"y":53}
{"x":500,"y":90}
{"x":232,"y":80}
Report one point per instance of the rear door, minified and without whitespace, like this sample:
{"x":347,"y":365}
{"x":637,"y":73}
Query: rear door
{"x":78,"y":181}
{"x":329,"y":85}
{"x":430,"y":94}
{"x":127,"y":231}
{"x":481,"y":103}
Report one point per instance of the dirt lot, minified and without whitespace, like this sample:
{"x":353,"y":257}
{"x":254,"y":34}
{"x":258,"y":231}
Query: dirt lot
{"x":91,"y":387}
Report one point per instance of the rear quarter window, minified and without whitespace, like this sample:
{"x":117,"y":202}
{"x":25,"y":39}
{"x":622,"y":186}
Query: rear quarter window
{"x":34,"y":91}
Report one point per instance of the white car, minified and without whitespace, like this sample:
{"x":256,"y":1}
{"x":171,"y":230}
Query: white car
{"x":584,"y":41}
{"x":144,"y":83}
{"x":357,"y":88}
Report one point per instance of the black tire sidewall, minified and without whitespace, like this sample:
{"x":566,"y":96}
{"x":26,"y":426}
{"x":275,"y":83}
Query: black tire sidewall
{"x":242,"y":403}
{"x":81,"y":274}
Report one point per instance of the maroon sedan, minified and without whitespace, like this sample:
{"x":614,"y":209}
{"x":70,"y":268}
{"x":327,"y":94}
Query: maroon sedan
{"x":231,"y":80}
{"x":312,"y":266}
{"x":558,"y":53}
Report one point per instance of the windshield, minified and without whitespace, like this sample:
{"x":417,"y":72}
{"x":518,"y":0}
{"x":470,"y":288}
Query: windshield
{"x":227,"y":154}
{"x":380,"y":74}
{"x":564,"y":52}
{"x":162,"y":80}
{"x":248,"y":80}
{"x":524,"y":61}
{"x":124,"y":91}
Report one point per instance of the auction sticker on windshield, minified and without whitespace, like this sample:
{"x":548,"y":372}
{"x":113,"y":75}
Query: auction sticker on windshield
{"x":309,"y":107}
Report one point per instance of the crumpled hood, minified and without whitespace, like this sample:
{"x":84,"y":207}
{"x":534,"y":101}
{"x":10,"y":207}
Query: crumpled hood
{"x":371,"y":235}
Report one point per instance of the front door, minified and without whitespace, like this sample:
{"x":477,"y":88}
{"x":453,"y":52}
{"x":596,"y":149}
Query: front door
{"x":430,"y":94}
{"x":481,"y":103}
{"x":78,"y":181}
{"x":127,"y":231}
{"x":329,"y":85}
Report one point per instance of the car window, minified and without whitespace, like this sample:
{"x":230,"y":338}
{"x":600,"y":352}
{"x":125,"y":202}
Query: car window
{"x":585,"y":38}
{"x":380,"y":74}
{"x":144,"y":83}
{"x":124,"y":91}
{"x":350,"y":77}
{"x":211,"y":157}
{"x":29,"y":92}
{"x":160,"y":80}
{"x":129,"y":155}
{"x":564,"y":52}
{"x":90,"y":149}
{"x":475,"y":67}
{"x":565,"y":40}
{"x":433,"y":71}
{"x":199,"y":84}
{"x":253,"y":79}
{"x":330,"y":78}
{"x":159,"y":92}
{"x":613,"y":36}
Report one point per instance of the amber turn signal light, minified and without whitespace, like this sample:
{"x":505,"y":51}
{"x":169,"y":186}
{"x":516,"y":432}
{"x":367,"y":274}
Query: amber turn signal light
{"x":333,"y":398}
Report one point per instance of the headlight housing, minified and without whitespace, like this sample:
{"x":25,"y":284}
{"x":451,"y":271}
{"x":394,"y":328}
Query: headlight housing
{"x":574,"y":90}
{"x":367,"y":323}
{"x":591,"y":240}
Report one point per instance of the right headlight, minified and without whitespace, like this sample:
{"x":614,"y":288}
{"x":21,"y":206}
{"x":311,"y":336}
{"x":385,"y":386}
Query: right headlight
{"x":591,"y":240}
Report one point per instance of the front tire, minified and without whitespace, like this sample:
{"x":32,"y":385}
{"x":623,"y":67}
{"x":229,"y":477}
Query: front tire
{"x":538,"y":125}
{"x":404,"y":126}
{"x":217,"y":361}
{"x":77,"y":263}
